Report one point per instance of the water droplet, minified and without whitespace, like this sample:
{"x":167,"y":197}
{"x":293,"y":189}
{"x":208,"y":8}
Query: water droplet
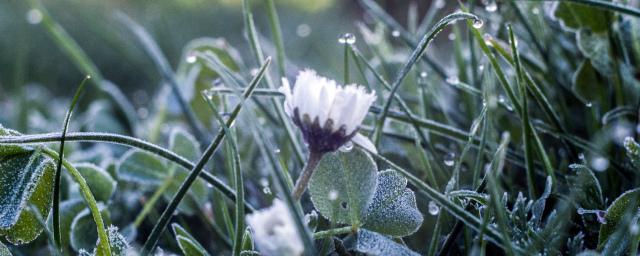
{"x":34,"y":16}
{"x":501,"y":99}
{"x":433,"y":208}
{"x":450,"y":159}
{"x":487,"y":40}
{"x":423,"y":74}
{"x":599,"y":163}
{"x":266,"y":190}
{"x":481,"y":68}
{"x":439,"y":4}
{"x":346,"y":147}
{"x":453,"y":80}
{"x":395,"y":33}
{"x":581,"y":211}
{"x":452,"y":36}
{"x":491,"y":6}
{"x":88,"y":77}
{"x":276,"y":151}
{"x":303,"y":30}
{"x":191,"y":58}
{"x":333,"y":195}
{"x":581,"y":156}
{"x":535,"y":11}
{"x":347,"y":38}
{"x":478,"y":23}
{"x":589,"y":104}
{"x":634,"y":229}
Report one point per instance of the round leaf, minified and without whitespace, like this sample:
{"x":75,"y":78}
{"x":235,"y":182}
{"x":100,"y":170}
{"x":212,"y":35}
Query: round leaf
{"x":374,"y":244}
{"x":102,"y":185}
{"x":141,"y":167}
{"x":343,"y":185}
{"x":83,"y":229}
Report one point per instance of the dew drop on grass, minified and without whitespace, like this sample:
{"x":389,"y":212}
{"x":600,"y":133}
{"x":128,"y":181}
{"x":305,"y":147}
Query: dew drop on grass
{"x":346,"y":147}
{"x":453,"y":80}
{"x":395,"y":33}
{"x":450,"y":159}
{"x":581,"y":211}
{"x":599,"y":163}
{"x":191,"y":58}
{"x":266,"y":190}
{"x":34,"y":16}
{"x":347,"y":38}
{"x":589,"y":104}
{"x":478,"y":23}
{"x":452,"y":36}
{"x":303,"y":30}
{"x":581,"y":156}
{"x":276,"y":151}
{"x":433,"y":208}
{"x":439,"y":4}
{"x":491,"y":6}
{"x":423,"y":74}
{"x":634,"y":229}
{"x":535,"y":11}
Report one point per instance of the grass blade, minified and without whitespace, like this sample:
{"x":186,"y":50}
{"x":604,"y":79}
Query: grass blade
{"x":57,"y":237}
{"x":161,"y":225}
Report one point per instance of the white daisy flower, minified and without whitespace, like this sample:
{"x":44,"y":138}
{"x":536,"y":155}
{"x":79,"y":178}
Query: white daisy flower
{"x":328,"y":114}
{"x":274,"y":231}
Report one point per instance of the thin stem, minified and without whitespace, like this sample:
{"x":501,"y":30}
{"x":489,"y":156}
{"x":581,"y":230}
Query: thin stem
{"x":303,"y":180}
{"x":103,"y":245}
{"x":333,"y":232}
{"x":149,"y":205}
{"x":276,"y":33}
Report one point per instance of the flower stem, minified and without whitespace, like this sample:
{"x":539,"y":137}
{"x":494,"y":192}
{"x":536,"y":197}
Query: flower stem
{"x":333,"y":232}
{"x":303,"y":180}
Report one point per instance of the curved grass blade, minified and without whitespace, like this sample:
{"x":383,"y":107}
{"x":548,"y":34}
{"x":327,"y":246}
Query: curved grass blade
{"x":161,"y":225}
{"x":417,"y":52}
{"x":127,"y":141}
{"x":57,"y":237}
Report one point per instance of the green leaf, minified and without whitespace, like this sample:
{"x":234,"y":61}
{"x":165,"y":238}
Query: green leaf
{"x":100,"y":182}
{"x":27,"y":179}
{"x":4,"y":251}
{"x":184,"y":144}
{"x":142,"y":168}
{"x":374,"y":244}
{"x":615,"y":214}
{"x":6,"y":150}
{"x":575,"y":16}
{"x":83,"y":233}
{"x":189,"y":247}
{"x":586,"y":187}
{"x":596,"y":47}
{"x":393,"y":210}
{"x":633,"y":151}
{"x":349,"y":178}
{"x":586,"y":83}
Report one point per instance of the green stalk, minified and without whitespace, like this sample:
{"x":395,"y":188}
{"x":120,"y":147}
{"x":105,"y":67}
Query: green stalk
{"x":148,"y":206}
{"x":161,"y":225}
{"x":103,"y":245}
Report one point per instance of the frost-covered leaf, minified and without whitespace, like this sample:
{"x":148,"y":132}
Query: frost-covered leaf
{"x":141,"y":167}
{"x":575,"y":16}
{"x":343,"y":185}
{"x":615,"y":214}
{"x":249,"y":253}
{"x":586,"y":83}
{"x":586,"y":187}
{"x":538,"y":206}
{"x":10,"y":149}
{"x":596,"y":47}
{"x":184,"y":144}
{"x":633,"y":151}
{"x":188,"y":244}
{"x":374,"y":244}
{"x":4,"y":251}
{"x":101,"y":118}
{"x":25,"y":179}
{"x":119,"y":244}
{"x":393,"y":210}
{"x":101,"y":184}
{"x":83,"y":233}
